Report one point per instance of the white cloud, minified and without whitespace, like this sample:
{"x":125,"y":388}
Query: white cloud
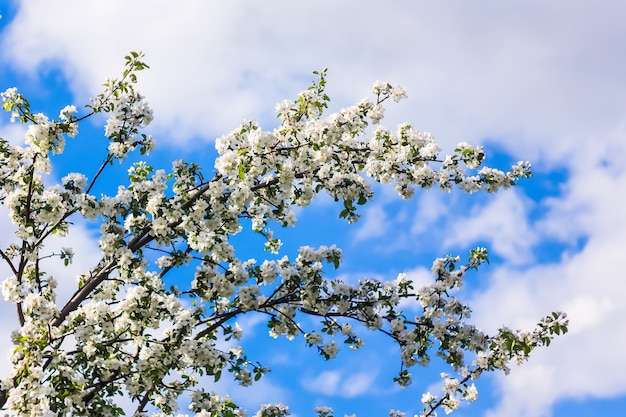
{"x":374,"y":223}
{"x":392,"y":224}
{"x":357,"y":384}
{"x":430,"y":209}
{"x":503,"y":223}
{"x":589,"y":286}
{"x":474,"y":71}
{"x":326,"y":383}
{"x":335,"y":383}
{"x":13,"y":133}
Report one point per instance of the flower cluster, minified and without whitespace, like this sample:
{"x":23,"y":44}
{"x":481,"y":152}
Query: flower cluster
{"x":124,"y":332}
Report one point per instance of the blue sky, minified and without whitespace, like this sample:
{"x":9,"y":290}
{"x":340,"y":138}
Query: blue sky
{"x":539,"y":81}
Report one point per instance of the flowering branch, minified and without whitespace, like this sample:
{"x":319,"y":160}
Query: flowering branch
{"x":123,"y":332}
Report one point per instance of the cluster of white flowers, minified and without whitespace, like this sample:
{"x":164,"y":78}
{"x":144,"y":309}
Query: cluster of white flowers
{"x":12,"y":102}
{"x":124,"y":332}
{"x":449,"y":400}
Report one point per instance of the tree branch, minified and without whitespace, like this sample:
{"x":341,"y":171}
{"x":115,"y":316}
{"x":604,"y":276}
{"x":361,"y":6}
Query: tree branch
{"x":84,"y":291}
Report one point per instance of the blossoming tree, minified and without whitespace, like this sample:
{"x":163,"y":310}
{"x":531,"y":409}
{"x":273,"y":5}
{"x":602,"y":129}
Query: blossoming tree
{"x":124,"y":333}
